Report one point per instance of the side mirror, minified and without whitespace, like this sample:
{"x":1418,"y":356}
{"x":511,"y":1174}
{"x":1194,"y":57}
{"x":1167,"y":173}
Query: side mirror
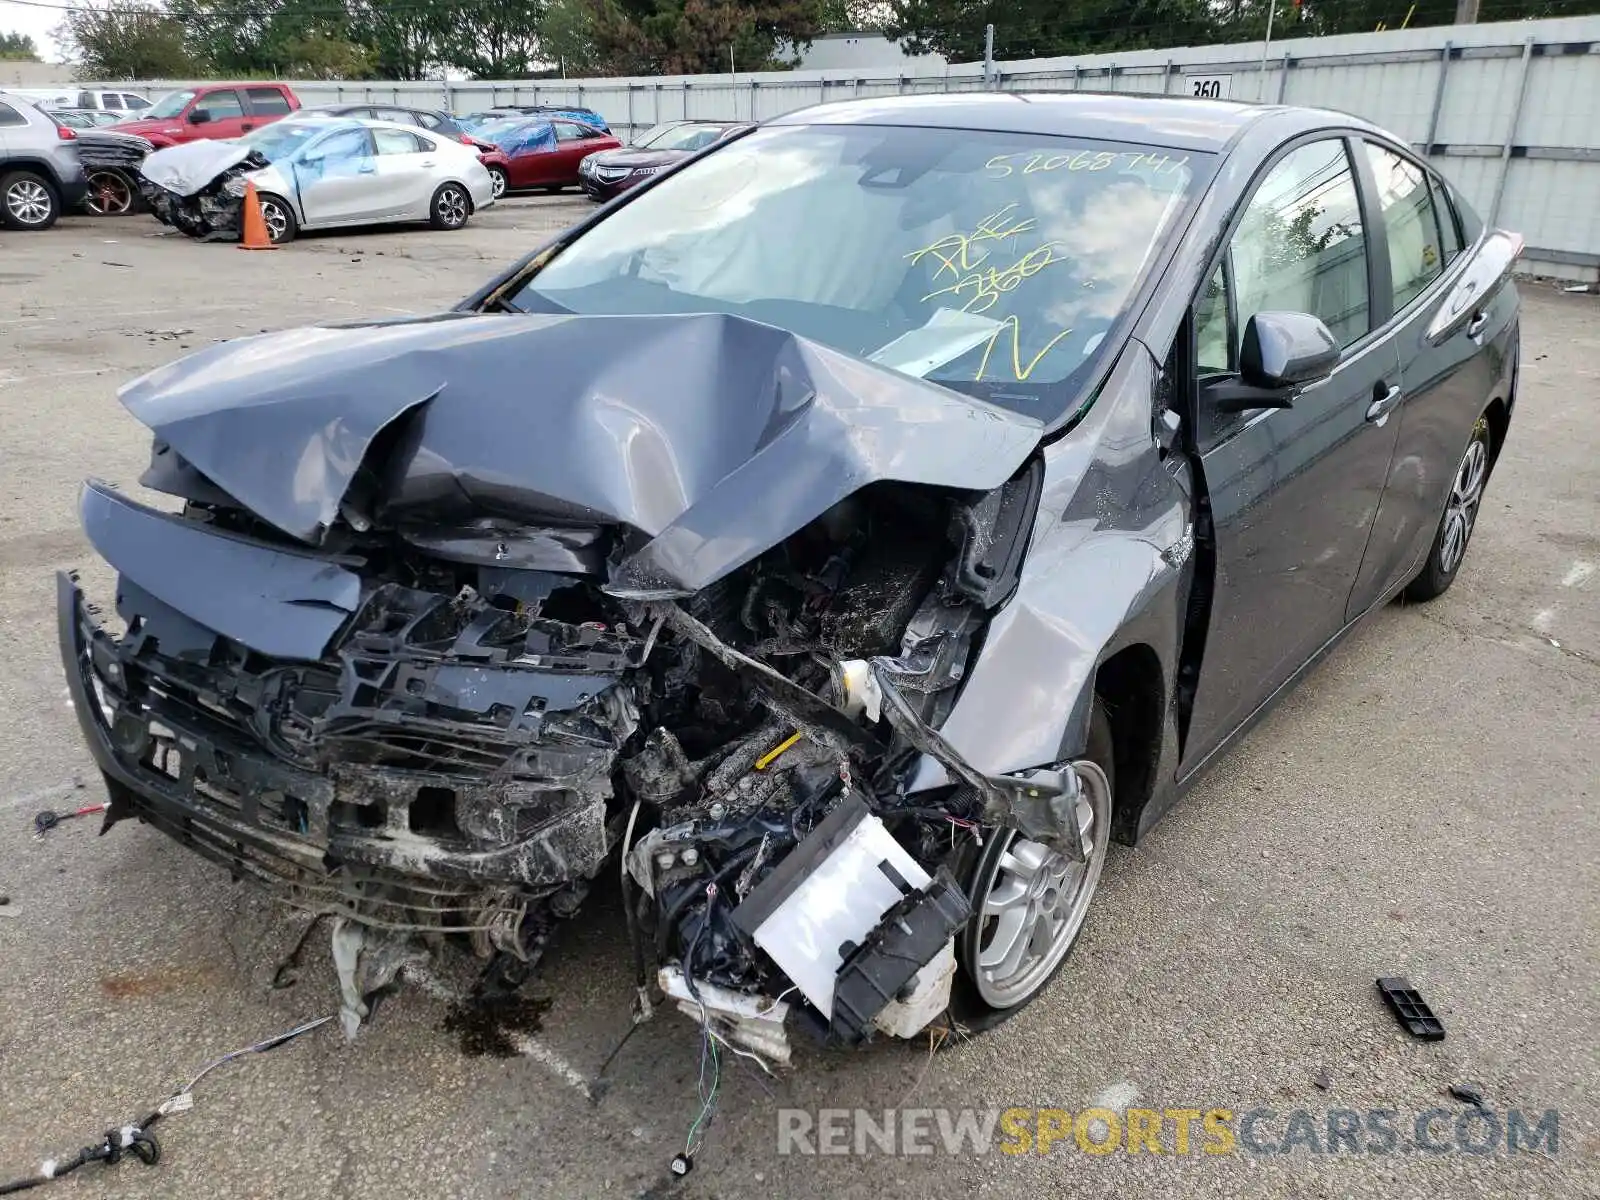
{"x":1281,"y":352}
{"x":200,"y":116}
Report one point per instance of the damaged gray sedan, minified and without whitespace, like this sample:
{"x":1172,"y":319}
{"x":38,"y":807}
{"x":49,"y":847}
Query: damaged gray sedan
{"x":832,"y":545}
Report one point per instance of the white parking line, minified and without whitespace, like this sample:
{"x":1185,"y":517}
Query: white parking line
{"x":1117,"y":1096}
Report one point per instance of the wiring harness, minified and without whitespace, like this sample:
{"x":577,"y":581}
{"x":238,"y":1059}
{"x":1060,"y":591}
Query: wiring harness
{"x":136,"y":1139}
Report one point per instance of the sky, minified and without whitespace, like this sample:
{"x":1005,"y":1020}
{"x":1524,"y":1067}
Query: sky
{"x":36,"y":23}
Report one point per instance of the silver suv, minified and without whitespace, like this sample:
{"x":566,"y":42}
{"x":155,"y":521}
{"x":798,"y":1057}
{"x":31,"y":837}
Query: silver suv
{"x":40,"y":174}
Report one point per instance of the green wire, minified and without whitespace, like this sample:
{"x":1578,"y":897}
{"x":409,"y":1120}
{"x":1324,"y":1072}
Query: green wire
{"x":707,"y":1101}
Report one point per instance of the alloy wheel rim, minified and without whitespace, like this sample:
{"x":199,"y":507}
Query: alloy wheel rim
{"x":275,"y":219}
{"x":109,"y":195}
{"x":498,"y":180}
{"x":1034,"y":901}
{"x":1461,"y":510}
{"x":28,"y":201}
{"x":452,"y":207}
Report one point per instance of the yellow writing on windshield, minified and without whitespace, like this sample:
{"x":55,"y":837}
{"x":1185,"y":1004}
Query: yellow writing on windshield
{"x":954,"y":251}
{"x":1019,"y":371}
{"x":983,"y":288}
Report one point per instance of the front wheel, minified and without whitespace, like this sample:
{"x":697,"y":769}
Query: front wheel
{"x":450,"y":208}
{"x":110,"y":194}
{"x":278,"y":217}
{"x":497,"y":180}
{"x":1460,"y":518}
{"x":27,"y":201}
{"x":1029,"y":900}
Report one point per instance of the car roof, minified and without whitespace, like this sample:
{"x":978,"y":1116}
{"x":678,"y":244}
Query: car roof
{"x":1179,"y":122}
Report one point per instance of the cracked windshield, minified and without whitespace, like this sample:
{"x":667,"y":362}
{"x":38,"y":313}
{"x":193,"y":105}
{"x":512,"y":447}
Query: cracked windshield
{"x":991,"y":263}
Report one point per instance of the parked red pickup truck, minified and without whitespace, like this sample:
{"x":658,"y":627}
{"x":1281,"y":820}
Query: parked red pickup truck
{"x":211,"y":110}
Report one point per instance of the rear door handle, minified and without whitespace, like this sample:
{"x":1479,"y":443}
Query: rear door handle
{"x":1383,"y":401}
{"x":1476,"y":326}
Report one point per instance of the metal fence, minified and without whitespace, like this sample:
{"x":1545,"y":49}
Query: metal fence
{"x":1510,"y":112}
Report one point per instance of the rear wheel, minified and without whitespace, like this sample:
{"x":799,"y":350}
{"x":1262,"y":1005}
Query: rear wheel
{"x":110,"y":194}
{"x":1460,"y":518}
{"x":27,"y":201}
{"x":1029,"y":900}
{"x":278,"y":218}
{"x":450,"y":208}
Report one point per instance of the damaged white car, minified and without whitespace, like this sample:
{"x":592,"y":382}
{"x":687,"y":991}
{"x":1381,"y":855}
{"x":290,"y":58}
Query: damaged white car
{"x":316,"y":173}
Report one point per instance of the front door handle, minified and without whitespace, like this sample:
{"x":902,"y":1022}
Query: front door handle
{"x":1476,"y":326}
{"x":1384,"y":398}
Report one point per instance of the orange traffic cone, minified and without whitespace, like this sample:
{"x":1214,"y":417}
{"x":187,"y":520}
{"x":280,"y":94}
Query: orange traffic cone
{"x":255,"y":226}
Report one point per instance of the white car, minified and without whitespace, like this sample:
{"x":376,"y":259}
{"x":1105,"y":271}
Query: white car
{"x":320,"y":173}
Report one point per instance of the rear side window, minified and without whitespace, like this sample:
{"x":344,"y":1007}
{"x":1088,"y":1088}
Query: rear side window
{"x":427,"y":120}
{"x":569,"y":133}
{"x":111,"y":100}
{"x":267,"y":102}
{"x":1415,"y":259}
{"x":221,"y":105}
{"x":135,"y":102}
{"x":10,"y":116}
{"x":1300,"y":245}
{"x":397,"y":141}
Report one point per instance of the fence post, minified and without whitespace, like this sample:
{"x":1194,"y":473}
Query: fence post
{"x":1166,"y":79}
{"x":1511,"y":132}
{"x":1438,"y":100}
{"x":1283,"y":80}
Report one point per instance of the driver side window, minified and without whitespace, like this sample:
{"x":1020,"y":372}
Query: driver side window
{"x":1299,"y":247}
{"x":344,"y":146}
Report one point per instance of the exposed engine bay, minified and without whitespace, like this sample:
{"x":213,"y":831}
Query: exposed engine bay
{"x":446,"y":733}
{"x":198,"y":187}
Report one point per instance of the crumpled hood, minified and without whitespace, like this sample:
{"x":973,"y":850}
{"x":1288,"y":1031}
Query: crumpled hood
{"x":709,"y":437}
{"x":186,"y":168}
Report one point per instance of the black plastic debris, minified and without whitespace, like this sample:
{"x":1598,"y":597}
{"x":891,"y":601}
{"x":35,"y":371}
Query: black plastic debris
{"x":1410,"y":1009}
{"x":44,"y":822}
{"x":907,"y":937}
{"x":1468,"y":1093}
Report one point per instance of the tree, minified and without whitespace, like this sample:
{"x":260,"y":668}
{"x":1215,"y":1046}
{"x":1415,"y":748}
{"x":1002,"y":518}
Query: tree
{"x":496,"y":39}
{"x":1046,"y":28}
{"x":566,"y":37}
{"x":689,"y":37}
{"x":407,"y":38}
{"x":130,"y":41}
{"x":18,"y":47}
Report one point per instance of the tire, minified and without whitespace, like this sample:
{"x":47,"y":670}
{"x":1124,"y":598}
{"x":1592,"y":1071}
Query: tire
{"x":280,"y":219}
{"x":497,"y":178}
{"x":450,"y":207}
{"x":111,"y":194}
{"x":28,"y":201}
{"x":978,"y":1001}
{"x":1460,"y":517}
{"x":555,"y":188}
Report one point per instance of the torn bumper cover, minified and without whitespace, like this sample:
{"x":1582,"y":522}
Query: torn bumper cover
{"x":494,"y":812}
{"x":188,"y":186}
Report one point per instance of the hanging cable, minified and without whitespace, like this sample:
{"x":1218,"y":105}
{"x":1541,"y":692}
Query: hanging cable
{"x":136,"y":1139}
